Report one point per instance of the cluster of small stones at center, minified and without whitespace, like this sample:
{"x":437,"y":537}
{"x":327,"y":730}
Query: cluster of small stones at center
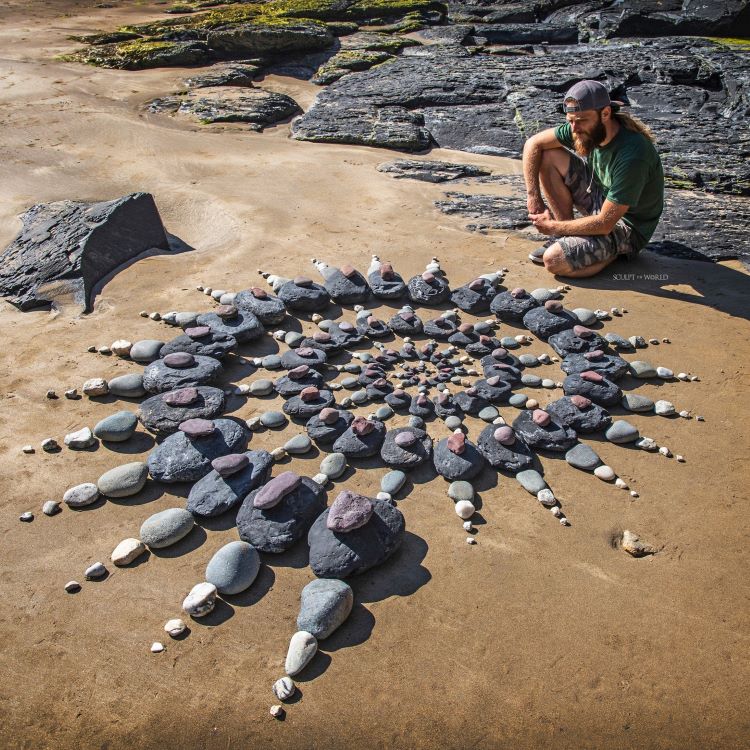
{"x":182,"y":406}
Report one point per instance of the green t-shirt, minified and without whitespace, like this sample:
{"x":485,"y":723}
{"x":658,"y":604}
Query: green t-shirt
{"x":629,"y":172}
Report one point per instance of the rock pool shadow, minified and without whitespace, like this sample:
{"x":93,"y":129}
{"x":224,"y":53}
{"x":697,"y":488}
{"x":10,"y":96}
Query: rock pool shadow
{"x":252,"y":595}
{"x":401,"y":575}
{"x":195,"y":539}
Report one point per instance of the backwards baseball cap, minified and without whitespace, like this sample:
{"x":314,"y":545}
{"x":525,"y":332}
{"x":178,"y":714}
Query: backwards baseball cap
{"x":586,"y":95}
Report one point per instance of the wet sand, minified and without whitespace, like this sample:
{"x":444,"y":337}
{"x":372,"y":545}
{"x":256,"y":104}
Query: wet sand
{"x":539,"y":636}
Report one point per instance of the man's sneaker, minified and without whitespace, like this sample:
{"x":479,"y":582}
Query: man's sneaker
{"x":536,"y":256}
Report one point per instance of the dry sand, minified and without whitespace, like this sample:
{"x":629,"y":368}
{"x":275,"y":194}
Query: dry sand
{"x":537,"y":637}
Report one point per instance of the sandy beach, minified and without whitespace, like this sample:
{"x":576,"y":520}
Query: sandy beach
{"x":538,"y":636}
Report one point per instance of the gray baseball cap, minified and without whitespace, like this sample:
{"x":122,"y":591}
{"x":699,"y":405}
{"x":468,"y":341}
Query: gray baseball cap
{"x":586,"y":95}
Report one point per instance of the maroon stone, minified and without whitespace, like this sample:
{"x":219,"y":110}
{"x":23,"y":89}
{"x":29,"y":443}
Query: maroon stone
{"x":426,"y":349}
{"x":306,"y":351}
{"x":441,"y":323}
{"x":231,"y":464}
{"x":296,"y":373}
{"x":349,"y":511}
{"x":595,"y":354}
{"x":361,"y":426}
{"x":466,"y":328}
{"x":329,"y":415}
{"x":179,"y":360}
{"x":348,"y":270}
{"x":399,"y":392}
{"x":197,"y":332}
{"x":197,"y":428}
{"x":443,"y":397}
{"x":592,"y":376}
{"x":518,"y":292}
{"x":321,"y":336}
{"x":505,"y":435}
{"x":580,"y":402}
{"x":553,"y":306}
{"x":259,"y":293}
{"x":457,"y":443}
{"x":371,"y":320}
{"x":405,"y":438}
{"x":494,"y":380}
{"x":583,"y":332}
{"x":303,"y":281}
{"x":386,"y":272}
{"x":226,"y":312}
{"x":500,"y":353}
{"x":477,"y":285}
{"x":275,"y":490}
{"x":484,"y":339}
{"x":407,"y":316}
{"x":428,"y":277}
{"x":181,"y":397}
{"x":471,"y":391}
{"x":311,"y":393}
{"x":391,"y":353}
{"x":540,"y":417}
{"x":422,"y":399}
{"x":380,"y":383}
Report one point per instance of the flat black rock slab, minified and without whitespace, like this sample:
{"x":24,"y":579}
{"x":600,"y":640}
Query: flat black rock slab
{"x":162,"y":419}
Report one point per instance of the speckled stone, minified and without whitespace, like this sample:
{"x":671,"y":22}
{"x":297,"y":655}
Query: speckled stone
{"x":123,"y":481}
{"x":622,"y":432}
{"x":166,"y":527}
{"x":581,"y":456}
{"x":162,"y":414}
{"x":233,"y":568}
{"x":324,"y":606}
{"x":117,"y":427}
{"x":512,"y":455}
{"x":588,"y":417}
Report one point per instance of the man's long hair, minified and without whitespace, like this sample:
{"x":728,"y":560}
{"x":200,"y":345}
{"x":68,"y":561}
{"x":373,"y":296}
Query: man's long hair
{"x":630,"y":122}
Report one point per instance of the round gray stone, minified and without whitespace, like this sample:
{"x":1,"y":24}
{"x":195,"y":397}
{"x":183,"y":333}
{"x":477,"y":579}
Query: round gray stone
{"x":261,"y":387}
{"x":324,"y":606}
{"x":488,"y":413}
{"x":127,"y":386}
{"x":298,"y":444}
{"x":393,"y":481}
{"x":583,"y":457}
{"x":272,"y":419}
{"x":116,"y":427}
{"x":518,"y":400}
{"x":333,"y":465}
{"x":622,"y":432}
{"x":461,"y":491}
{"x":453,"y":422}
{"x":233,"y":568}
{"x":166,"y":527}
{"x":123,"y":481}
{"x":146,"y":350}
{"x":531,"y":480}
{"x":636,"y":402}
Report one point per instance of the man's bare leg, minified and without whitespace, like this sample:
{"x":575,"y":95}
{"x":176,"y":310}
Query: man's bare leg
{"x":552,"y":171}
{"x":556,"y":263}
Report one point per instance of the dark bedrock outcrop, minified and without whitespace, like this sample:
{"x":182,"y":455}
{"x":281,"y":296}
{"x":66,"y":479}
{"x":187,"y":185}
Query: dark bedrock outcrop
{"x":68,"y":246}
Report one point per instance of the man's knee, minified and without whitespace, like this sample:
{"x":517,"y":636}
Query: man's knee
{"x":557,"y":159}
{"x":554,"y":259}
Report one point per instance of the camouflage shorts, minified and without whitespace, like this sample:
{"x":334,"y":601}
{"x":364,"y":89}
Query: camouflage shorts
{"x":581,"y":252}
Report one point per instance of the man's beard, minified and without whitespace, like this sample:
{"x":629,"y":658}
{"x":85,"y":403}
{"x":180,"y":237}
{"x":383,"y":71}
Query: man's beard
{"x":584,"y":143}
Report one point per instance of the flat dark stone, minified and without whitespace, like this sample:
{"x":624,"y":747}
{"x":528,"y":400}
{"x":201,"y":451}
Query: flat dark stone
{"x":568,"y":342}
{"x":347,"y":290}
{"x":543,"y":323}
{"x":474,"y":301}
{"x":410,"y":326}
{"x":432,"y":293}
{"x":287,"y":387}
{"x":591,"y":419}
{"x":455,"y":467}
{"x":605,"y":393}
{"x":406,"y":457}
{"x":499,"y":392}
{"x":336,"y":555}
{"x":360,"y":446}
{"x":512,"y":458}
{"x":244,"y":326}
{"x":298,"y":408}
{"x":278,"y":528}
{"x":554,"y":436}
{"x":609,"y":365}
{"x":386,"y":289}
{"x":215,"y":344}
{"x":213,"y":494}
{"x":324,"y":433}
{"x":270,"y":310}
{"x":310,"y":298}
{"x":470,"y":404}
{"x":159,"y":378}
{"x":310,"y":356}
{"x":510,"y":309}
{"x":159,"y":417}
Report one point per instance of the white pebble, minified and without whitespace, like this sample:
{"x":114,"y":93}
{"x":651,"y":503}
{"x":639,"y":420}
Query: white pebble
{"x":621,"y":483}
{"x":564,"y":521}
{"x":384,"y":496}
{"x":633,"y":493}
{"x":555,"y":510}
{"x":207,"y":290}
{"x":302,"y":647}
{"x":320,"y":479}
{"x":467,"y":525}
{"x":284,"y":688}
{"x":683,"y":376}
{"x":520,"y":338}
{"x":665,"y":451}
{"x":26,"y":517}
{"x":470,"y":540}
{"x":277,"y":712}
{"x":604,"y":472}
{"x":201,"y":600}
{"x":155,"y":316}
{"x":242,"y":390}
{"x":465,"y":509}
{"x":278,"y":453}
{"x":51,"y":507}
{"x":97,"y":570}
{"x":694,"y":378}
{"x":175,"y":627}
{"x":681,"y":459}
{"x":685,"y":414}
{"x":121,"y":347}
{"x":279,"y":335}
{"x":127,"y":551}
{"x":28,"y":449}
{"x":156,"y":647}
{"x":546,"y":497}
{"x":664,"y":373}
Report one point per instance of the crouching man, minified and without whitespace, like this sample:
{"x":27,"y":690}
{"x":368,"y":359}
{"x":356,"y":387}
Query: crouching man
{"x":602,"y":162}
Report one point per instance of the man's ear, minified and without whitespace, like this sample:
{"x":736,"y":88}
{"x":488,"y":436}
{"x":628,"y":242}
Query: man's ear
{"x":606,"y":113}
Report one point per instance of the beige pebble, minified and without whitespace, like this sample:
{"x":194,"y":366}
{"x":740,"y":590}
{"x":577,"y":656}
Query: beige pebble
{"x":127,"y":551}
{"x":604,"y":472}
{"x":532,"y":403}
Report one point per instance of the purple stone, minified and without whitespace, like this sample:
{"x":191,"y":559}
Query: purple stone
{"x":407,"y":316}
{"x":518,"y":292}
{"x":348,"y":270}
{"x":595,"y":354}
{"x":346,"y":326}
{"x":505,"y":435}
{"x":466,"y":328}
{"x":179,"y":360}
{"x":306,"y":352}
{"x":580,"y":402}
{"x":500,"y":353}
{"x":303,"y":281}
{"x":181,"y":397}
{"x":311,"y":393}
{"x":275,"y":490}
{"x":197,"y":428}
{"x":592,"y":376}
{"x":457,"y":443}
{"x":399,"y":392}
{"x":422,"y":400}
{"x":231,"y":464}
{"x":197,"y":332}
{"x":380,"y":383}
{"x":404,"y":439}
{"x":540,"y":417}
{"x":321,"y":336}
{"x":226,"y":312}
{"x":553,"y":306}
{"x":329,"y":415}
{"x":386,"y":272}
{"x":471,"y":391}
{"x":583,"y":332}
{"x":259,"y":293}
{"x":477,"y":285}
{"x":296,"y":373}
{"x":361,"y":426}
{"x":349,"y":511}
{"x":494,"y":380}
{"x":428,"y":277}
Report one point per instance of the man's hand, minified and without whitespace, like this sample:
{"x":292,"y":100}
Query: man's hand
{"x":535,"y":204}
{"x":544,"y":222}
